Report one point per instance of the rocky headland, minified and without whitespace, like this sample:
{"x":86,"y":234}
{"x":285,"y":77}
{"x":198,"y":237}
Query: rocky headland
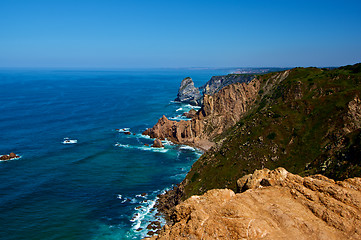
{"x":218,"y":112}
{"x":307,"y":120}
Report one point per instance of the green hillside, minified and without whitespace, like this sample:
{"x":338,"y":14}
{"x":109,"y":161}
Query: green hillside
{"x":308,"y":123}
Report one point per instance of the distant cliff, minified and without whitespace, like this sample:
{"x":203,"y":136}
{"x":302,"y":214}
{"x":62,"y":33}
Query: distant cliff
{"x":216,"y":83}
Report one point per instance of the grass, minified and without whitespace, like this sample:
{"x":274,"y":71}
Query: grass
{"x":289,"y":127}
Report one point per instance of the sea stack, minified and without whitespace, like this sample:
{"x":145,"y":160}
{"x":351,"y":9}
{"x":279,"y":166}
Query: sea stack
{"x":187,"y":93}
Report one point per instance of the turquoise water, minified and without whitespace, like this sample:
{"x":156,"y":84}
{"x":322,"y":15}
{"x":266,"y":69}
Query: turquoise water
{"x":88,"y":190}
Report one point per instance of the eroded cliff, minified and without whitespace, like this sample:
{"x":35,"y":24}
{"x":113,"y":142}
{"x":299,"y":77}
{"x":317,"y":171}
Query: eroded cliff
{"x":218,"y":113}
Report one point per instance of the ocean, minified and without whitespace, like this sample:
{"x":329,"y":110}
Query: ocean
{"x":105,"y":185}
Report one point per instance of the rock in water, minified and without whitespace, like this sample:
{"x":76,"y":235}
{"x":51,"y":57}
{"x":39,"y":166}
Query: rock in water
{"x":187,"y":93}
{"x":190,"y":114}
{"x":157,"y":143}
{"x":8,"y":157}
{"x":272,"y":205}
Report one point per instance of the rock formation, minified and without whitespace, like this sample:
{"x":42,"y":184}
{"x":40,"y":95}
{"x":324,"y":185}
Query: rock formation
{"x":157,"y":143}
{"x":272,"y":205}
{"x":187,"y":93}
{"x":218,"y":112}
{"x":216,"y":83}
{"x":190,"y":114}
{"x":8,"y":157}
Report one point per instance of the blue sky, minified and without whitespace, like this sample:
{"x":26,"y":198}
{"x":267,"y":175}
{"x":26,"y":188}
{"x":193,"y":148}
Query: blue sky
{"x":154,"y":34}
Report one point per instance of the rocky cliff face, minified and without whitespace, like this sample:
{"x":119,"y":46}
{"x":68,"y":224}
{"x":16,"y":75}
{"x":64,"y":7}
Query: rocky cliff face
{"x":216,"y":83}
{"x":187,"y":93}
{"x":218,"y":113}
{"x":272,"y":205}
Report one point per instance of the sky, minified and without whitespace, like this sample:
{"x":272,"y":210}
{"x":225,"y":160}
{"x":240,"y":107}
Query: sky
{"x":178,"y":34}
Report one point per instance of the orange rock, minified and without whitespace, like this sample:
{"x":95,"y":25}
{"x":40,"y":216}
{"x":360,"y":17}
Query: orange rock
{"x":273,"y":205}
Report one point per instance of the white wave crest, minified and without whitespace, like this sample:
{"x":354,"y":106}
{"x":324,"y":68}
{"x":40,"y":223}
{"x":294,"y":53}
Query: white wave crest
{"x":123,"y":130}
{"x":16,"y":158}
{"x":143,"y":148}
{"x":191,"y":106}
{"x":185,"y":147}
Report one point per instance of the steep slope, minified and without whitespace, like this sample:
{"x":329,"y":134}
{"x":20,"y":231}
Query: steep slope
{"x":218,"y":112}
{"x":306,"y":121}
{"x":273,"y":205}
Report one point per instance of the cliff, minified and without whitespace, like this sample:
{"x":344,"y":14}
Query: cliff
{"x":188,"y":93}
{"x":272,"y":205}
{"x":305,"y":119}
{"x":216,"y":83}
{"x":218,"y":113}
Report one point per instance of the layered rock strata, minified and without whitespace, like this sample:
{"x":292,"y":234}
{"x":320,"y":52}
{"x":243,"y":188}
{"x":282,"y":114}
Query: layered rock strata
{"x":272,"y":205}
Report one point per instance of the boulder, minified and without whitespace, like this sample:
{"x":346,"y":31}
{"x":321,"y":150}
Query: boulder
{"x":157,"y":143}
{"x":190,"y":114}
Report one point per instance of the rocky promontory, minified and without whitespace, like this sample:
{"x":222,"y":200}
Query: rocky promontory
{"x":271,"y":205}
{"x":218,"y":113}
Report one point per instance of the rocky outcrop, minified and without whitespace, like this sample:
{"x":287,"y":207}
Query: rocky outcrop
{"x":187,"y":93}
{"x":192,"y":113}
{"x":218,"y":112}
{"x":216,"y":83}
{"x":353,"y":116}
{"x":157,"y":143}
{"x":272,"y":205}
{"x":8,"y":157}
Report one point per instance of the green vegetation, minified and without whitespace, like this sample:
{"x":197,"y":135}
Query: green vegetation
{"x":297,"y":124}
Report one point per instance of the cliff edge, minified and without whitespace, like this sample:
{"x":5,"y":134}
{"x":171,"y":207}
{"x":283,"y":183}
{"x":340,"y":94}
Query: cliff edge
{"x":272,"y":205}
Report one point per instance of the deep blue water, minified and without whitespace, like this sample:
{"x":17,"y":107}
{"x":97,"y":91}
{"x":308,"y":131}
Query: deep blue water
{"x":87,"y":190}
